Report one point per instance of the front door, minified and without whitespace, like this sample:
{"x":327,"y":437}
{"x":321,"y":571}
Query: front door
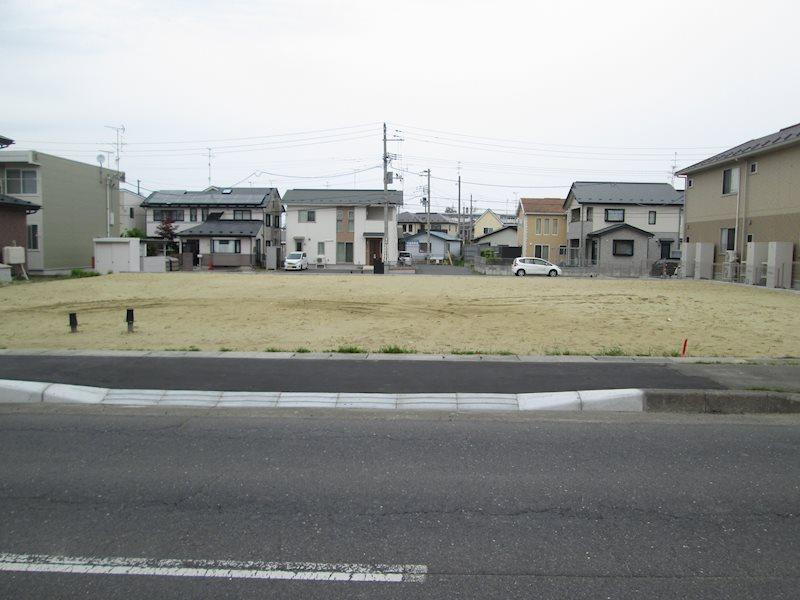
{"x":666,"y":249}
{"x":192,"y":247}
{"x":373,"y":250}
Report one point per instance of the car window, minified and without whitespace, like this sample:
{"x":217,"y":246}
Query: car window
{"x":539,"y":261}
{"x":294,"y":255}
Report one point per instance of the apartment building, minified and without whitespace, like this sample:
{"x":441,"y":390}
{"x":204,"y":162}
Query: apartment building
{"x":341,"y":226}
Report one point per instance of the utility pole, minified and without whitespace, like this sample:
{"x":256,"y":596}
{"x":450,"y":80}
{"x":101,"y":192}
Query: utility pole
{"x":138,"y":181}
{"x":209,"y":166}
{"x":428,"y":211}
{"x":469,"y":233}
{"x":385,"y":250}
{"x":460,"y":232}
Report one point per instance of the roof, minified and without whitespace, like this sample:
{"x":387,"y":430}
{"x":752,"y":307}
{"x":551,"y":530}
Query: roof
{"x":624,"y":192}
{"x":507,"y":219}
{"x":617,"y":226}
{"x":495,"y":232}
{"x":439,"y":234}
{"x":225,"y":227}
{"x":5,"y":141}
{"x":12,"y":201}
{"x":787,"y":136}
{"x":211,"y":197}
{"x":409,"y":217}
{"x":542,"y":205}
{"x":329,"y":197}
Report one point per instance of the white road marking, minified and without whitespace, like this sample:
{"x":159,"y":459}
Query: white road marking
{"x":40,"y":563}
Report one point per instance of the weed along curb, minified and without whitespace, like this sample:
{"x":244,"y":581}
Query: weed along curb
{"x":621,"y":400}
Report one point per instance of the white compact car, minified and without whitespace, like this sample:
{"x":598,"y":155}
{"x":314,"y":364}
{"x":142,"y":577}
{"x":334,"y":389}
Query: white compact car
{"x":404,"y":258}
{"x":534,"y":266}
{"x":295,"y":261}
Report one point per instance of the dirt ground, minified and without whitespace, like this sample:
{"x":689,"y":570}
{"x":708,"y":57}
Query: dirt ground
{"x":432,"y":314}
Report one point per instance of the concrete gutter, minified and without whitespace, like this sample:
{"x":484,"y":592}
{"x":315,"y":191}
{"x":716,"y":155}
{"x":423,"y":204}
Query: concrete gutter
{"x":622,"y":400}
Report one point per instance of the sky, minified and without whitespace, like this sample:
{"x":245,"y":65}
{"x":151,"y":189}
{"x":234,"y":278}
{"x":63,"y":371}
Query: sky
{"x":521,"y":98}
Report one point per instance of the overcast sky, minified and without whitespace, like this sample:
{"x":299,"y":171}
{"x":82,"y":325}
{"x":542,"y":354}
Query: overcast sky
{"x":528,"y":96}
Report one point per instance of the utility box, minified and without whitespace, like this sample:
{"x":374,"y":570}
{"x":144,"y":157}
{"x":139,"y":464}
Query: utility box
{"x":14,"y":255}
{"x":5,"y":273}
{"x":779,"y":265}
{"x":755,"y":270}
{"x":116,"y":255}
{"x":687,"y":259}
{"x":704,"y":260}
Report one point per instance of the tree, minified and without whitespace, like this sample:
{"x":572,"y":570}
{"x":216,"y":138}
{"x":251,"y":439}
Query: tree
{"x":450,"y":210}
{"x":134,"y":232}
{"x":166,"y":231}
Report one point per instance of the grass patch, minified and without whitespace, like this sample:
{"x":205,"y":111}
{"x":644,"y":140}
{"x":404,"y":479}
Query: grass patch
{"x":272,"y":350}
{"x":612,"y":351}
{"x":349,"y":350}
{"x":557,"y":352}
{"x":771,"y":389}
{"x":302,"y":351}
{"x":393,"y":349}
{"x":184,"y":349}
{"x":78,"y":273}
{"x":224,"y":349}
{"x":492,"y":352}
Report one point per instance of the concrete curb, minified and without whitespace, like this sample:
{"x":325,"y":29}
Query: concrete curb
{"x":515,"y":358}
{"x":620,"y":400}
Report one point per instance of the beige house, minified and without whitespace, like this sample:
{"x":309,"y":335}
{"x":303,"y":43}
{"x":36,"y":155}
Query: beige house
{"x":542,"y":230}
{"x":749,"y":193}
{"x":491,"y":221}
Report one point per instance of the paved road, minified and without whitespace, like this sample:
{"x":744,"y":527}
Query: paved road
{"x":496,"y":508}
{"x":341,"y":375}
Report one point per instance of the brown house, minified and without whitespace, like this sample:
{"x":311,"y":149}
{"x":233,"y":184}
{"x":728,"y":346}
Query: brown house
{"x":14,"y":229}
{"x":542,"y":229}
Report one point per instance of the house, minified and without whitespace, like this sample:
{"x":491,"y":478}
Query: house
{"x":131,"y":213}
{"x":491,"y":221}
{"x":441,"y":245}
{"x":336,"y":227}
{"x":218,"y":227}
{"x":409,"y":223}
{"x":14,"y":230}
{"x":608,"y":221}
{"x":748,"y":193}
{"x":542,"y":230}
{"x":504,"y":236}
{"x":79,"y":202}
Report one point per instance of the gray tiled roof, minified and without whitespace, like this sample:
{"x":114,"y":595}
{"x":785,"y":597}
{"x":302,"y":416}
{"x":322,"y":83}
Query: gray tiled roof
{"x":622,"y":192}
{"x":409,"y":217}
{"x":12,"y":201}
{"x":213,"y":197}
{"x":785,"y":137}
{"x":329,"y":197}
{"x":224,"y":227}
{"x":610,"y":228}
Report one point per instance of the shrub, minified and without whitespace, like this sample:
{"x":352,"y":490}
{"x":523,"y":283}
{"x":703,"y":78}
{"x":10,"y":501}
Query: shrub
{"x":393,"y":349}
{"x":82,"y":273}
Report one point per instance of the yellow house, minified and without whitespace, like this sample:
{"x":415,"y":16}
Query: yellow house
{"x":542,"y":230}
{"x":490,"y":221}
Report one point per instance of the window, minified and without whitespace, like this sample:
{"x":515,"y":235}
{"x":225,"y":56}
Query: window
{"x":547,"y":226}
{"x":423,"y":246}
{"x":690,"y":182}
{"x":267,"y":220}
{"x":651,"y":217}
{"x":307,"y":216}
{"x":538,"y":227}
{"x":623,"y":248}
{"x":193,"y":214}
{"x":226,"y":246}
{"x":555,"y":226}
{"x":615,"y":215}
{"x":351,"y":220}
{"x":298,"y":245}
{"x":374,"y":213}
{"x":540,"y":251}
{"x":575,"y":215}
{"x":21,"y":181}
{"x":242,"y":215}
{"x":320,"y":248}
{"x":204,"y":214}
{"x":487,"y":230}
{"x":33,"y":237}
{"x":749,"y":237}
{"x":753,"y":168}
{"x":727,"y":238}
{"x":339,"y":220}
{"x":730,"y":181}
{"x":589,"y":213}
{"x":163,"y":215}
{"x":130,"y":212}
{"x":562,"y":250}
{"x":344,"y":252}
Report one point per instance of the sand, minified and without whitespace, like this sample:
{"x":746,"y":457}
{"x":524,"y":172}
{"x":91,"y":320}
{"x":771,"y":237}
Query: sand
{"x":426,"y":313}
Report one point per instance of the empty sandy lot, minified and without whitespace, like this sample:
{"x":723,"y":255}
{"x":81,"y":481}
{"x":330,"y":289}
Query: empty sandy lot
{"x":436,"y":314}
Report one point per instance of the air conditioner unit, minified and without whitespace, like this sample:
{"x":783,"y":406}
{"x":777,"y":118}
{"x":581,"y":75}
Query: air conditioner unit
{"x":320,"y":260}
{"x":731,"y":256}
{"x":14,"y":255}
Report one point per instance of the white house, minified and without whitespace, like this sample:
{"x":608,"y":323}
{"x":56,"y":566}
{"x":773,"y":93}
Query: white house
{"x":341,"y":226}
{"x":131,"y":213}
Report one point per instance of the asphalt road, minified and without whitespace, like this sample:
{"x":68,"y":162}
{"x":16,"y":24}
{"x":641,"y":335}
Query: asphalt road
{"x":342,"y":375}
{"x":496,"y":508}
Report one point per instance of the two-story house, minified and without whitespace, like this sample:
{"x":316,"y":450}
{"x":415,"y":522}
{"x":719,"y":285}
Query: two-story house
{"x":620,"y":223}
{"x":542,"y":228}
{"x":748,"y":193}
{"x":218,"y":227}
{"x":490,"y":221}
{"x":79,"y":202}
{"x":409,"y":223}
{"x":341,"y":226}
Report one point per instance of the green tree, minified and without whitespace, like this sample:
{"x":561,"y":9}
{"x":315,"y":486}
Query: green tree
{"x":134,"y":232}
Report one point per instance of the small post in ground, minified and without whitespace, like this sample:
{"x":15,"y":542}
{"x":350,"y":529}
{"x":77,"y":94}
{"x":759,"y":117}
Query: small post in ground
{"x":73,"y":322}
{"x":129,"y":319}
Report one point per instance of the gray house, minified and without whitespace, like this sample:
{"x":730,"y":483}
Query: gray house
{"x":442,"y":244}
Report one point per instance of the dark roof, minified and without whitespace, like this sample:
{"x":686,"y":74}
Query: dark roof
{"x":624,"y":192}
{"x":480,"y":237}
{"x":254,"y":197}
{"x":328,"y":197}
{"x":421,"y":217}
{"x":12,"y":201}
{"x":542,"y":205}
{"x":785,"y":137}
{"x":225,"y":227}
{"x":5,"y":142}
{"x":611,"y":228}
{"x":439,"y":234}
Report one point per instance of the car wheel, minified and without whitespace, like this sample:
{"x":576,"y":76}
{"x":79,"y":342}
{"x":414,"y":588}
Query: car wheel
{"x":553,"y":273}
{"x":520,"y":273}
